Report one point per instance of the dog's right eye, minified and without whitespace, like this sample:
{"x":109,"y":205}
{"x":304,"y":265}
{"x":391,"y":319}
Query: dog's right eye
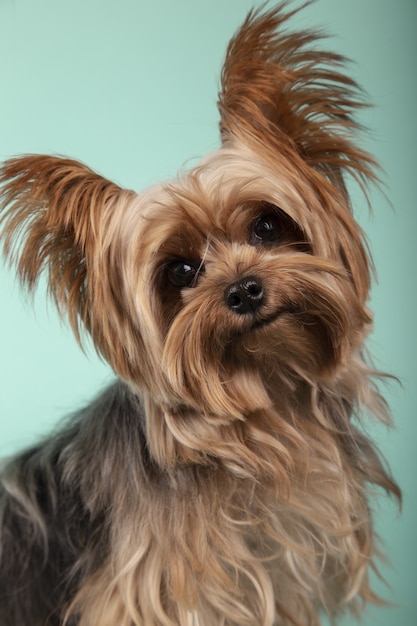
{"x":183,"y":273}
{"x":272,"y":226}
{"x":267,"y":229}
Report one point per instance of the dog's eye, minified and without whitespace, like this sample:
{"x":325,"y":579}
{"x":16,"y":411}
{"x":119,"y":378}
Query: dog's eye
{"x":183,"y":273}
{"x":267,"y":228}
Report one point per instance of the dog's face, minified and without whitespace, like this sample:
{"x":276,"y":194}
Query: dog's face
{"x":239,"y":277}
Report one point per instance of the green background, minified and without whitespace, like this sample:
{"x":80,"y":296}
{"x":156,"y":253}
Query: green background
{"x":130,"y":88}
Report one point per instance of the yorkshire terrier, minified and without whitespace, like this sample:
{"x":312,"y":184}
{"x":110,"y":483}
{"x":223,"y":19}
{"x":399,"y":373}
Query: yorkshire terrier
{"x":223,"y":480}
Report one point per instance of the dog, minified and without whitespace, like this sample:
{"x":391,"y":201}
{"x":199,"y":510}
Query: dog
{"x":224,"y":478}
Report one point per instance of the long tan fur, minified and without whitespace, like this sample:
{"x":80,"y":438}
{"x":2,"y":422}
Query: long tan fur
{"x":225,"y":479}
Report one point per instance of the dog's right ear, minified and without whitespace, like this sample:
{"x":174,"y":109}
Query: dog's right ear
{"x":283,"y":93}
{"x":56,"y":215}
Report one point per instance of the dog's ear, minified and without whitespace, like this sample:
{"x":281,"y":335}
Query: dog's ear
{"x":56,"y":215}
{"x":279,"y":90}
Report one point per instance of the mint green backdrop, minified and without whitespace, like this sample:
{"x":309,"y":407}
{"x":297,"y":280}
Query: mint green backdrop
{"x":129,"y":87}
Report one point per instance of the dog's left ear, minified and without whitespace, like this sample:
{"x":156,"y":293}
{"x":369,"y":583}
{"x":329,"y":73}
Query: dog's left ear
{"x":280,"y":91}
{"x":60,"y":218}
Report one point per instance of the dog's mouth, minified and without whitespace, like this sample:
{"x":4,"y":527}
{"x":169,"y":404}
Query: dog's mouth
{"x":264,"y":322}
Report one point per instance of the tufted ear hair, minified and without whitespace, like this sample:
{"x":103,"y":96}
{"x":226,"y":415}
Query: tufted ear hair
{"x":56,"y":216}
{"x":279,"y":90}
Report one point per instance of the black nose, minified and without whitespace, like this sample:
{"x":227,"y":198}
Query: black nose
{"x":244,"y":296}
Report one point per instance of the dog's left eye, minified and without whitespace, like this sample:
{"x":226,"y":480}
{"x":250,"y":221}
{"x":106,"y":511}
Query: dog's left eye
{"x":183,"y":273}
{"x":267,"y":228}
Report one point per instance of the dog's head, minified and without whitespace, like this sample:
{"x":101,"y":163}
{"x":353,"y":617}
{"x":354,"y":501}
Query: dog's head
{"x":252,"y":273}
{"x":220,"y":289}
